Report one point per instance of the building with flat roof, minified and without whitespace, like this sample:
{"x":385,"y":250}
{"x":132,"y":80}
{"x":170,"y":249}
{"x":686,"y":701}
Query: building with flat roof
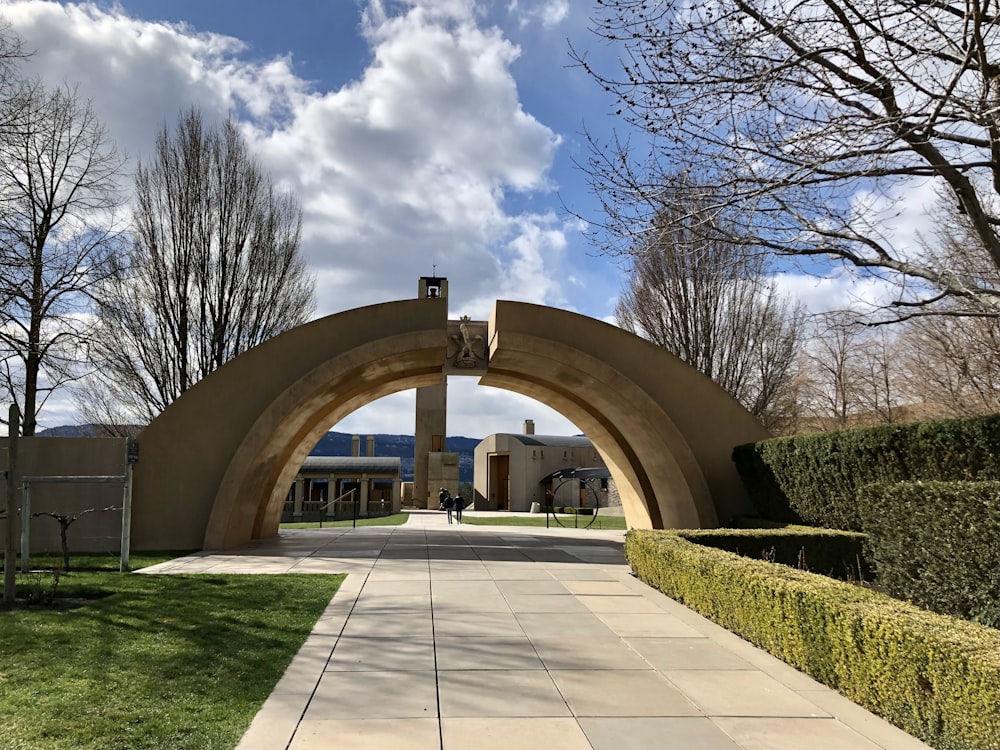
{"x":512,"y":471}
{"x":338,"y":487}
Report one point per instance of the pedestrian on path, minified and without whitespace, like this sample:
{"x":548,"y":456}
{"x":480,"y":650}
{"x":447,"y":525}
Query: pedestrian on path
{"x":449,"y":504}
{"x":441,"y":496}
{"x":459,"y":504}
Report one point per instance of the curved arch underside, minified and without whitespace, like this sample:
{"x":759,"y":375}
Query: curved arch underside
{"x":216,"y":465}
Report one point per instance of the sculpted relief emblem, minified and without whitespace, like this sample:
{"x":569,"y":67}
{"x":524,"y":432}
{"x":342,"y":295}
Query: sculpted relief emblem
{"x":467,"y":344}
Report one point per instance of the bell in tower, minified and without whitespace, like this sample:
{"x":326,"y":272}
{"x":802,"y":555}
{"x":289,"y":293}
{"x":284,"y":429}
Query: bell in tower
{"x":432,"y":287}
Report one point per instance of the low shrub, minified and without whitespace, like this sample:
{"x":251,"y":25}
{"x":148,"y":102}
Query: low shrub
{"x":937,"y":544}
{"x":933,"y":676}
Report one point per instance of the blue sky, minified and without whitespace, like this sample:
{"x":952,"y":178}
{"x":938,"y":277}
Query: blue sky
{"x":416,"y":133}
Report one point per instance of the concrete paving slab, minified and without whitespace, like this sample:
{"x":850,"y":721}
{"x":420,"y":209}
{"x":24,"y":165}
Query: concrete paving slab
{"x":502,"y":693}
{"x":872,"y":727}
{"x":685,"y":653}
{"x":374,"y":695}
{"x":354,"y":654}
{"x":605,"y":692}
{"x":507,"y":734}
{"x":373,"y":603}
{"x":620,"y":605}
{"x":742,"y":693}
{"x":637,"y":625}
{"x":276,"y":721}
{"x":453,"y":623}
{"x":392,"y":588}
{"x":545,"y":603}
{"x":599,"y":588}
{"x":598,"y":652}
{"x":794,"y":734}
{"x":517,"y":572}
{"x":574,"y":573}
{"x":546,"y":585}
{"x":478,"y":652}
{"x":574,"y":625}
{"x":366,"y":734}
{"x":656,"y":733}
{"x":389,"y":625}
{"x":307,"y":667}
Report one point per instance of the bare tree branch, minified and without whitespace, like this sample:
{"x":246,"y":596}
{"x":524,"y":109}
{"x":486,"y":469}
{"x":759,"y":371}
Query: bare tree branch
{"x":811,"y":121}
{"x":215,"y":269}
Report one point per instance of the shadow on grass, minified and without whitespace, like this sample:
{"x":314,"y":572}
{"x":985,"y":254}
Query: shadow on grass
{"x":159,"y":662}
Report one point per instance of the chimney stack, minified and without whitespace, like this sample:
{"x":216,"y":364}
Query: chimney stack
{"x":370,"y":446}
{"x":529,"y":427}
{"x":356,"y":445}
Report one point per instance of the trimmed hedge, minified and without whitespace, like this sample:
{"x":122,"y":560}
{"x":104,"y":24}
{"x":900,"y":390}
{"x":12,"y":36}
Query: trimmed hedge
{"x":936,"y":677}
{"x":839,"y":554}
{"x":815,"y":478}
{"x":937,"y":544}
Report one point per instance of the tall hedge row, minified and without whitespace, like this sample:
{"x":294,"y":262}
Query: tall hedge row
{"x":937,"y":544}
{"x":815,"y":478}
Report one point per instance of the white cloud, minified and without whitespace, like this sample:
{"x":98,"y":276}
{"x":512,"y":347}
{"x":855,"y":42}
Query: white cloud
{"x":840,"y":289}
{"x":548,"y":13}
{"x":409,"y":165}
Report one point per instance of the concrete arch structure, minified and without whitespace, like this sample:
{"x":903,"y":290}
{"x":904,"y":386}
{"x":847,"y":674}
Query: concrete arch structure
{"x":216,"y":465}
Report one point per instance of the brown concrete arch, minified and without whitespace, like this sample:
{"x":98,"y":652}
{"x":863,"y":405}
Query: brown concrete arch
{"x":665,"y":430}
{"x":215,"y":466}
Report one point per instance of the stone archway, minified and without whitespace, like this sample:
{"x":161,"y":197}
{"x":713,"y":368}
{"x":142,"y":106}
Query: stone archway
{"x":216,"y":465}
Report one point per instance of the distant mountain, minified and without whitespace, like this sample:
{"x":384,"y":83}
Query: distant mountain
{"x":71,"y":430}
{"x":401,"y":446}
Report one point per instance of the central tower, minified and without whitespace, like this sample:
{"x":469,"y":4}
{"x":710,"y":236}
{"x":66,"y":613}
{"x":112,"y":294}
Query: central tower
{"x":433,"y":467}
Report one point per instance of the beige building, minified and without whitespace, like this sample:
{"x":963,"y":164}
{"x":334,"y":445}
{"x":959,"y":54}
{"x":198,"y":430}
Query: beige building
{"x":340,"y":487}
{"x":512,"y":471}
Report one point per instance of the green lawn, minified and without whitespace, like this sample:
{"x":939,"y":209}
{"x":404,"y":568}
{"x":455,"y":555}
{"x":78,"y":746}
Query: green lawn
{"x":601,"y":522}
{"x":396,"y":519}
{"x":174,"y":662}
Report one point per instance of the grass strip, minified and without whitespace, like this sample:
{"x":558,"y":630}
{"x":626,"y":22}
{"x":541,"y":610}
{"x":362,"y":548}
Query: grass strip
{"x":396,"y":519}
{"x":173,"y":662}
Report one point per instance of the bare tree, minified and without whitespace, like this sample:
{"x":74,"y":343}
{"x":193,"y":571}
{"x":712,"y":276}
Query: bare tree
{"x":710,"y":303}
{"x":831,"y":386}
{"x":850,"y":375}
{"x":880,"y":395}
{"x":59,"y":189}
{"x":813,"y":120}
{"x":951,"y":365}
{"x":215,"y":269}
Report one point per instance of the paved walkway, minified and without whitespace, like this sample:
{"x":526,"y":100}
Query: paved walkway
{"x":470,"y":637}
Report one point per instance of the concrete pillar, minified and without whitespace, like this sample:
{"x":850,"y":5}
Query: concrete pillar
{"x":431,"y":428}
{"x":370,"y":446}
{"x":356,"y":445}
{"x":297,"y":503}
{"x":363,"y":507}
{"x":396,"y":495}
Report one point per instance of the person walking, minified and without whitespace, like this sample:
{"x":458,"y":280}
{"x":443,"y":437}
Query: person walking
{"x":459,"y":504}
{"x":449,"y":504}
{"x":441,"y":496}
